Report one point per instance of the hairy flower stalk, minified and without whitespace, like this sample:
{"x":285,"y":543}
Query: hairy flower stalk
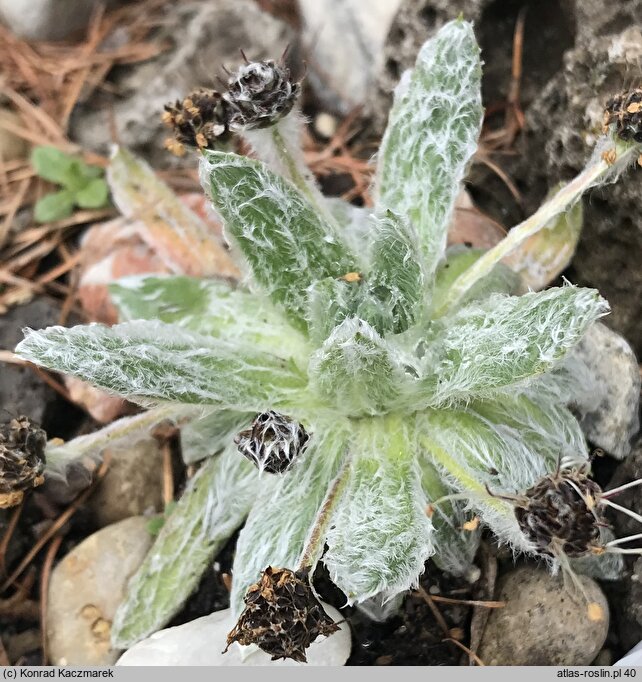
{"x":601,"y":167}
{"x":412,"y":376}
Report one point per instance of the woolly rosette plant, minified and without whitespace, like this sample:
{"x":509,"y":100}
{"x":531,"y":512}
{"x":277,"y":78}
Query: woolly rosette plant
{"x":426,"y":391}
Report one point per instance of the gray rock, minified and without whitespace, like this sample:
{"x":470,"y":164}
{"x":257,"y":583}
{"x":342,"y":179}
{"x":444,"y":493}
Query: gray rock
{"x":201,"y":642}
{"x":609,"y":411}
{"x":132,"y":485}
{"x":206,"y":36}
{"x":85,"y":590}
{"x":47,"y":19}
{"x":344,"y":39}
{"x":543,"y":622}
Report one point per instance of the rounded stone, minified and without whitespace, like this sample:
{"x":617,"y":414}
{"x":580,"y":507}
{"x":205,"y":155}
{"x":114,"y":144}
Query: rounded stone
{"x":545,"y":622}
{"x":132,"y":485}
{"x":87,"y":587}
{"x":201,"y":642}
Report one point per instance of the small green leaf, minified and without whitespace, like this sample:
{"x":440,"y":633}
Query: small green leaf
{"x":212,"y":507}
{"x":287,"y":245}
{"x":431,"y":135}
{"x":379,"y":536}
{"x":55,"y":166}
{"x":54,"y":206}
{"x":396,"y":277}
{"x":331,"y":301}
{"x":154,"y":362}
{"x":546,"y":254}
{"x":155,"y":524}
{"x":210,"y":307}
{"x":286,"y":509}
{"x":356,"y":370}
{"x":504,"y":340}
{"x":94,"y":194}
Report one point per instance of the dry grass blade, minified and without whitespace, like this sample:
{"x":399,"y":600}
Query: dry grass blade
{"x":441,"y":621}
{"x":464,"y":648}
{"x":469,"y":602}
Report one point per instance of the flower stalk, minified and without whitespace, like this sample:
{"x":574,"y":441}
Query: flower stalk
{"x":601,"y":166}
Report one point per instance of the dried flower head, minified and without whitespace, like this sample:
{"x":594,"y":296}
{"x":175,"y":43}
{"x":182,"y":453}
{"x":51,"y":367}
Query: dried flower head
{"x":259,"y":94}
{"x":282,"y":616}
{"x":199,"y":121}
{"x":562,"y":514}
{"x":22,"y":459}
{"x":273,"y":442}
{"x":559,"y":513}
{"x":625,"y":111}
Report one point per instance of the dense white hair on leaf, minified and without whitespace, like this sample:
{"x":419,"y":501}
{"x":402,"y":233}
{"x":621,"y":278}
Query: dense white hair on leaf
{"x":211,"y":307}
{"x":356,"y":370}
{"x":432,"y":133}
{"x":212,"y":507}
{"x":504,"y":341}
{"x":397,"y":274}
{"x":152,"y":362}
{"x":380,"y":536}
{"x":505,"y":445}
{"x":284,"y":240}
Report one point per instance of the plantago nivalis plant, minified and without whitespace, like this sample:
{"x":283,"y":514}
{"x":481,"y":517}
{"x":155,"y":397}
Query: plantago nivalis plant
{"x":370,"y":395}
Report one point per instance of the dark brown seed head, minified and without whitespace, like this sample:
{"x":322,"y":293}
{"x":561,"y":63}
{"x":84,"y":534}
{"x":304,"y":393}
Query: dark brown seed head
{"x":624,"y":111}
{"x":273,"y":442}
{"x":199,"y":121}
{"x":560,"y":514}
{"x":22,"y":459}
{"x":259,"y":94}
{"x":282,"y":616}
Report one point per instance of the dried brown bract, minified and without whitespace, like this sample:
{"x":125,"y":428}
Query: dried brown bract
{"x":282,"y":616}
{"x":22,"y":459}
{"x":199,"y":121}
{"x":273,"y":442}
{"x":259,"y":94}
{"x":559,"y":514}
{"x":625,"y":111}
